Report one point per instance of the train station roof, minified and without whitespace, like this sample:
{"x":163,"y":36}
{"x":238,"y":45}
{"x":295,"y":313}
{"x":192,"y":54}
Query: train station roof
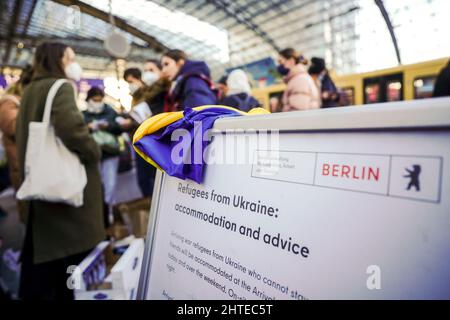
{"x":352,"y":35}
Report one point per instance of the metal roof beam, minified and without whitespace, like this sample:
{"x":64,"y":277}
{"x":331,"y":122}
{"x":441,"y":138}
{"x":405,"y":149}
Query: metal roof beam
{"x":28,"y":20}
{"x":291,"y":9}
{"x":225,"y":6}
{"x":387,"y":19}
{"x":82,"y":46}
{"x":300,"y":18}
{"x":309,"y":25}
{"x":275,"y":5}
{"x":12,"y":29}
{"x":119,"y":22}
{"x":207,"y":15}
{"x":240,"y":9}
{"x":194,"y":9}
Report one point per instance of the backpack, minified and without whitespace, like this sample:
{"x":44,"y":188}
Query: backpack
{"x":243,"y":104}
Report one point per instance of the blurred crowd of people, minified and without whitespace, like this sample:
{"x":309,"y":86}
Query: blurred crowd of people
{"x":59,"y":235}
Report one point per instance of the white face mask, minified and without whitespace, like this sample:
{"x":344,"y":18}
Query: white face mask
{"x":95,"y":107}
{"x":74,"y":71}
{"x":149,"y":78}
{"x":133,"y":87}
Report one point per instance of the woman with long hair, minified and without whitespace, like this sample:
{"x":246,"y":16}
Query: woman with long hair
{"x":58,"y":235}
{"x":192,"y":85}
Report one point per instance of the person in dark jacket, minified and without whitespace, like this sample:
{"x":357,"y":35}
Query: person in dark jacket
{"x":192,"y":85}
{"x":329,"y":92}
{"x":101,"y":120}
{"x":442,"y":85}
{"x":148,"y":100}
{"x":239,"y":92}
{"x":222,"y":87}
{"x":57,"y":235}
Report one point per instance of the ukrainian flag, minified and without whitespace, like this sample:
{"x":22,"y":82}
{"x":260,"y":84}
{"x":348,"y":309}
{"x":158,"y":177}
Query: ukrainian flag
{"x":153,"y":139}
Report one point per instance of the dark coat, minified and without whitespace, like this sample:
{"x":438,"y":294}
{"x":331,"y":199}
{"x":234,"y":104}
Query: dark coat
{"x":108,"y":114}
{"x":241,"y":101}
{"x":154,"y":95}
{"x":193,"y":87}
{"x":328,"y":86}
{"x":60,"y":230}
{"x":442,"y":86}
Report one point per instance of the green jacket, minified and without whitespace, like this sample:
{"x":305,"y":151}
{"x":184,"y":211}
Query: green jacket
{"x":60,"y":230}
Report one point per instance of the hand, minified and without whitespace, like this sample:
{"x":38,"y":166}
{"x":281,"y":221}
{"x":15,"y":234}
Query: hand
{"x":125,"y":124}
{"x":92,"y":126}
{"x":103,"y":125}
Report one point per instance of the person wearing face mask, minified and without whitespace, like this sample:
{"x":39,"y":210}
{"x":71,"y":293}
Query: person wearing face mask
{"x":101,"y":120}
{"x":192,"y":85}
{"x":133,"y":76}
{"x":158,"y":86}
{"x":152,"y":72}
{"x":301,"y":92}
{"x":57,"y":235}
{"x":149,"y":91}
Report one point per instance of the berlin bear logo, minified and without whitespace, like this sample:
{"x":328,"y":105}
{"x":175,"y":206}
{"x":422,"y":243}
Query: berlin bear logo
{"x":413,"y":175}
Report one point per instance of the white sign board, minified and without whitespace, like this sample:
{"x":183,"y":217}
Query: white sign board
{"x":357,"y":208}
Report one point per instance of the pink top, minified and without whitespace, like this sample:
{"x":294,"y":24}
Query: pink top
{"x":301,"y":91}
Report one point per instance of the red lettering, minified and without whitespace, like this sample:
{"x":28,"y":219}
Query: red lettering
{"x":345,"y":171}
{"x":351,"y":172}
{"x":335,"y":170}
{"x":354,"y":176}
{"x":375,"y":174}
{"x":325,"y":169}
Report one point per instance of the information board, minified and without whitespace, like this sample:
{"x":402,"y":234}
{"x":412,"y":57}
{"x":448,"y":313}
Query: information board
{"x":351,"y":203}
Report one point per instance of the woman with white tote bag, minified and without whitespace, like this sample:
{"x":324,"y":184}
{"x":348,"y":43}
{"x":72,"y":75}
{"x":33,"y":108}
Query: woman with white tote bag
{"x":60,"y":232}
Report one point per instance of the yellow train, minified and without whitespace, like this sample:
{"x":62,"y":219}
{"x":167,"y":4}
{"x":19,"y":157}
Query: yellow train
{"x":406,"y":82}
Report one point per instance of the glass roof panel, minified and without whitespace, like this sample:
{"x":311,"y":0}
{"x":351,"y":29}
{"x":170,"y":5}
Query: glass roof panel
{"x":422,"y":28}
{"x":173,"y":28}
{"x":350,"y":34}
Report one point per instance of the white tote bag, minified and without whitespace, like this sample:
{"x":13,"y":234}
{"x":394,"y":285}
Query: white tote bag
{"x":52,"y":172}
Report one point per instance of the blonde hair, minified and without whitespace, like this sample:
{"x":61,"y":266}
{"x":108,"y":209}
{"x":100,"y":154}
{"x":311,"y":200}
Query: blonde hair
{"x":289,"y":53}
